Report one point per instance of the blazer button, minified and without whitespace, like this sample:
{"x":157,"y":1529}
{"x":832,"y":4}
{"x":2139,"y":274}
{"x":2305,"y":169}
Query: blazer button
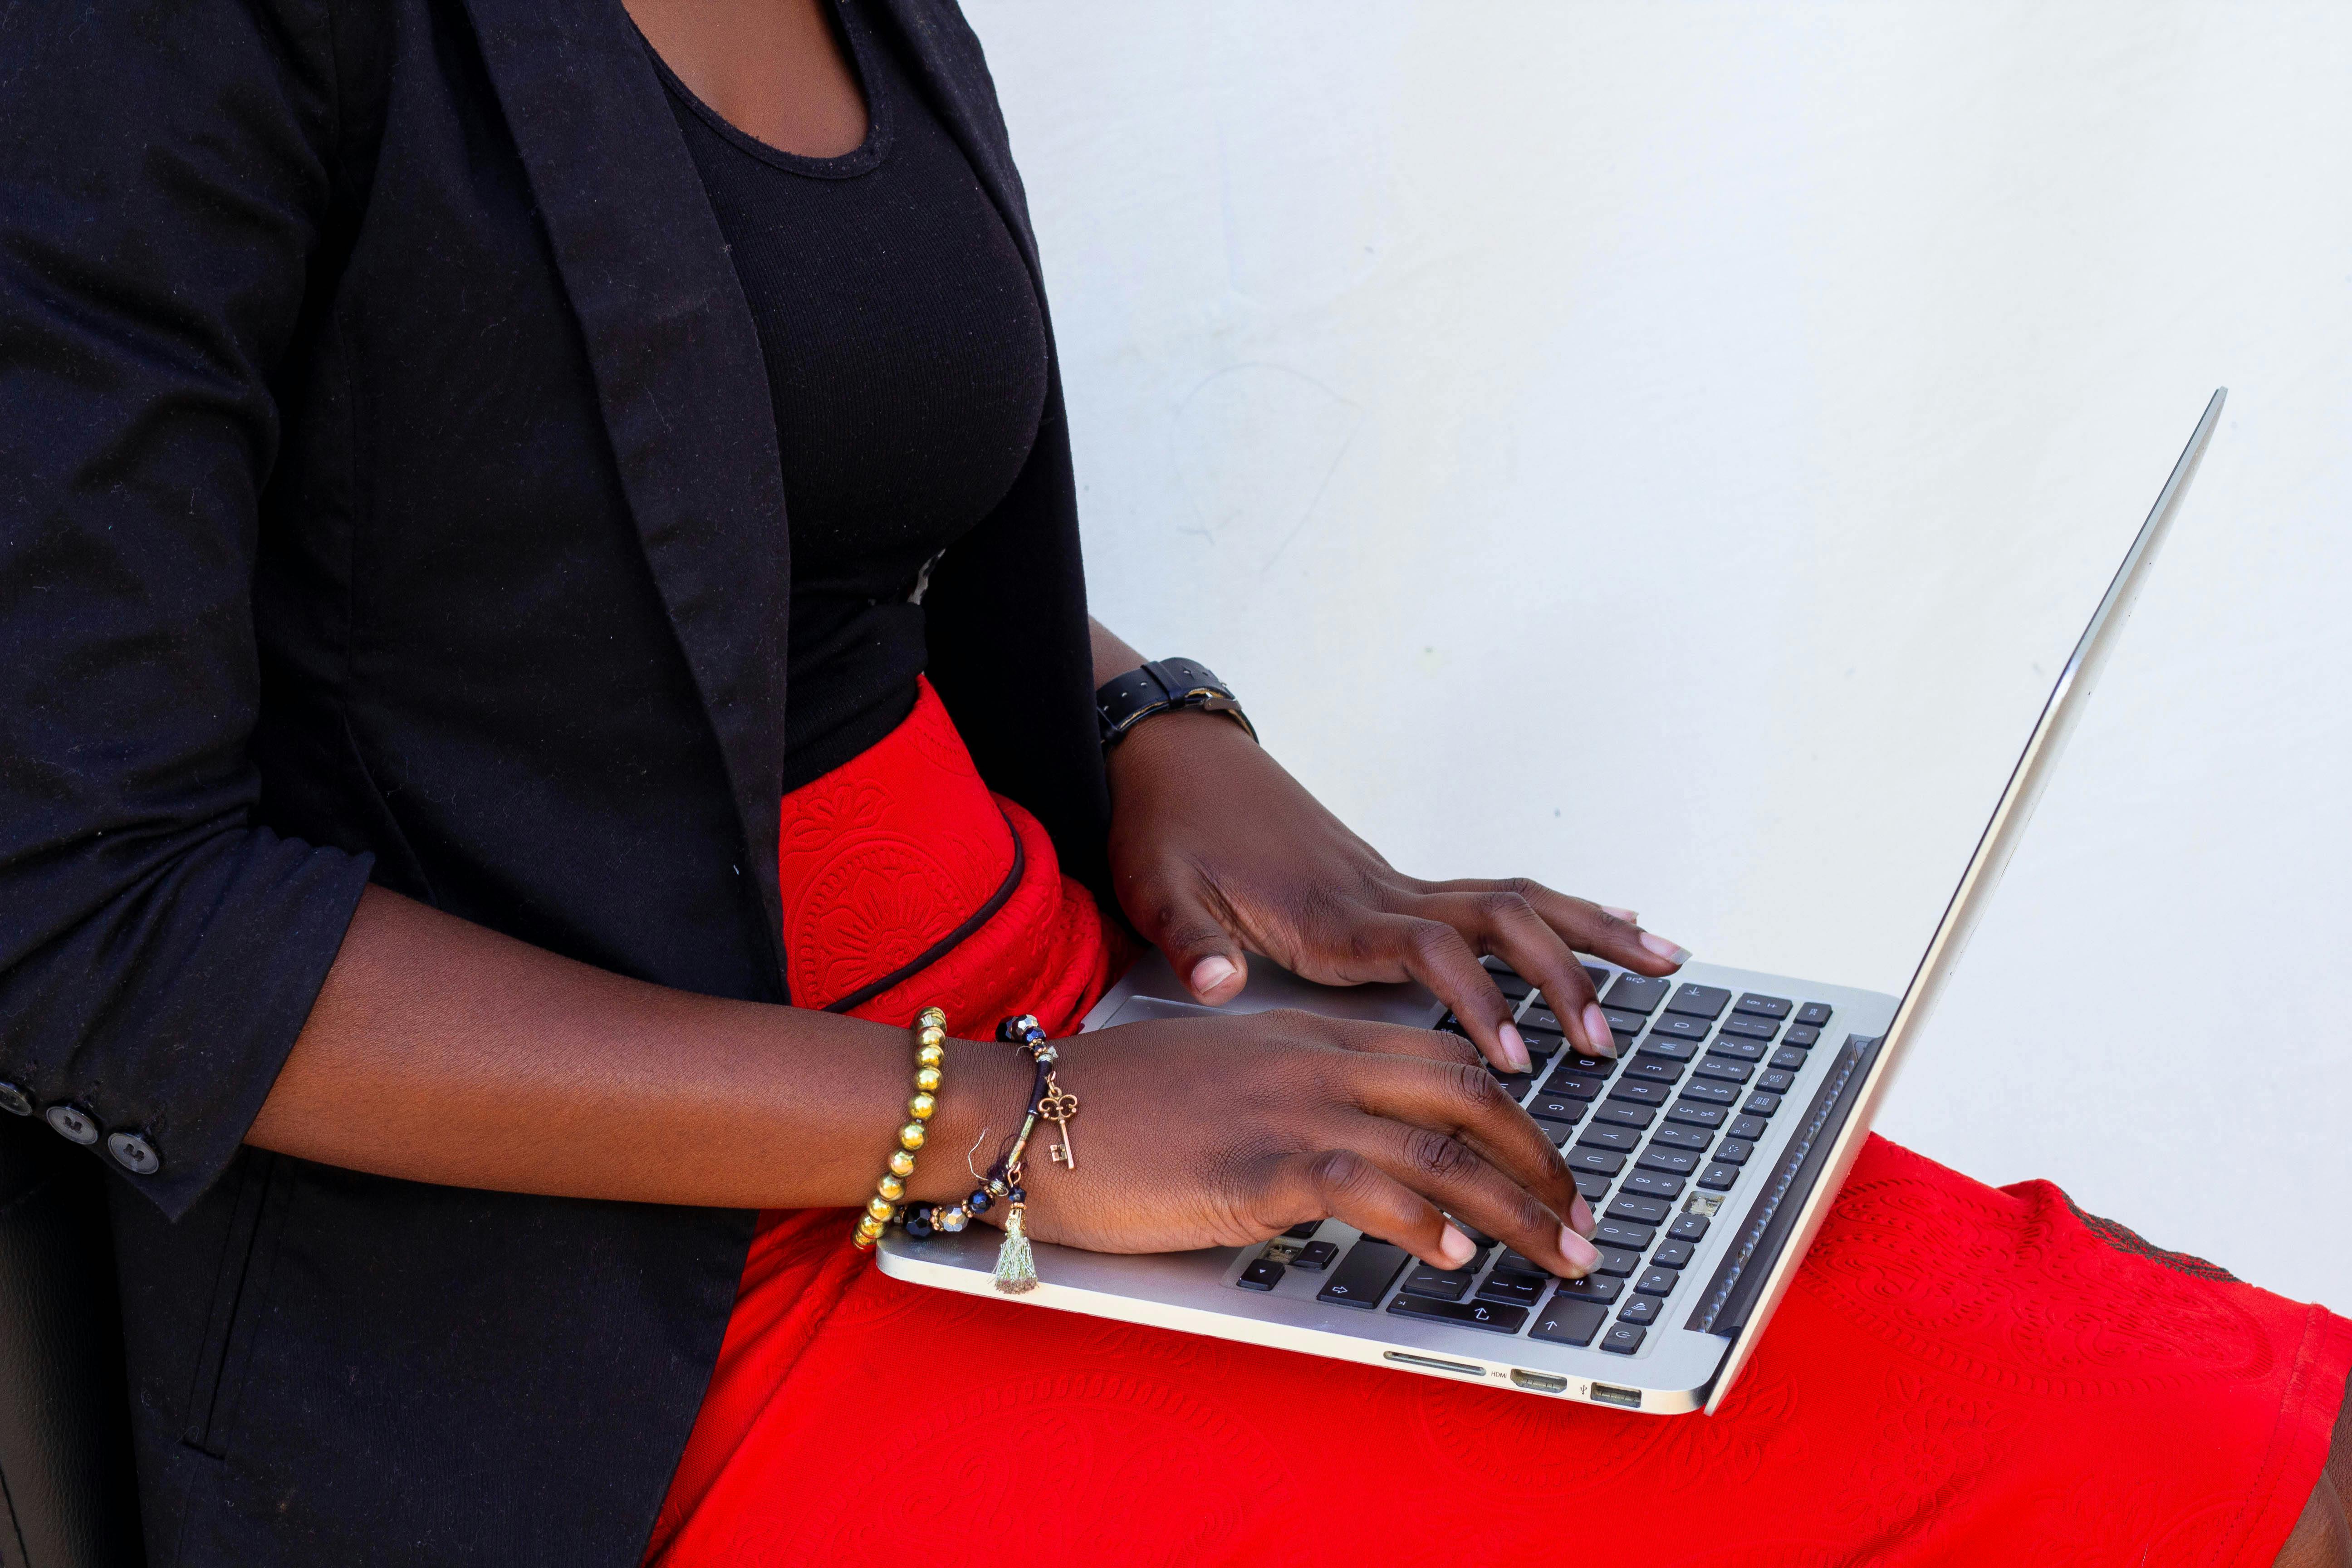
{"x":134,"y":1154}
{"x":73,"y":1124}
{"x":14,"y":1101}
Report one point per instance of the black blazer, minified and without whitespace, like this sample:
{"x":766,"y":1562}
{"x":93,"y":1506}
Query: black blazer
{"x":389,"y":491}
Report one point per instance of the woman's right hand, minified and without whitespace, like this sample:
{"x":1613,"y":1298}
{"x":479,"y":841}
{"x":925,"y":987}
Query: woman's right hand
{"x":1226,"y":1131}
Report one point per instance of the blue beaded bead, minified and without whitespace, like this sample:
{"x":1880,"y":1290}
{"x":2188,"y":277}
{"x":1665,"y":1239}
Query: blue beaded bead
{"x":1018,"y":1195}
{"x":978,"y":1201}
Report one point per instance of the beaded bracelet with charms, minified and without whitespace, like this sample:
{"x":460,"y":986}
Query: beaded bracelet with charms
{"x":1016,"y":1269}
{"x":930,"y":1028}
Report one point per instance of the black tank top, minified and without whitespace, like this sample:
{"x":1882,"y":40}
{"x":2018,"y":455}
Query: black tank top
{"x":906,"y":358}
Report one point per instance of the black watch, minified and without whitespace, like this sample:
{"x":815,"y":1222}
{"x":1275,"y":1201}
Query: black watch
{"x":1161,"y":687}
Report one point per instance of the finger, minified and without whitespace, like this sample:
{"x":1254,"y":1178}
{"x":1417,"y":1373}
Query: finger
{"x":1501,"y":921}
{"x":1450,"y":1174}
{"x":1435,"y":953}
{"x":1182,"y":923}
{"x":1466,"y":1103}
{"x":1349,"y":1187}
{"x":1610,"y":933}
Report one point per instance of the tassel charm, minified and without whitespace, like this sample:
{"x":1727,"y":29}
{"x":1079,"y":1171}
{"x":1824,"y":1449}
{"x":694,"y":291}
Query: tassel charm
{"x":1016,"y":1269}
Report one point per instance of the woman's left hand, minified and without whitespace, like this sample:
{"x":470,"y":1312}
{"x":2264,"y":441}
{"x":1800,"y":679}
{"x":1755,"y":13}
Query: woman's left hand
{"x":1216,"y":849}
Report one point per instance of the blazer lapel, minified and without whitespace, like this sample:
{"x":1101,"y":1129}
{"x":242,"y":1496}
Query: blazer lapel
{"x":947,"y":56}
{"x":677,"y":366}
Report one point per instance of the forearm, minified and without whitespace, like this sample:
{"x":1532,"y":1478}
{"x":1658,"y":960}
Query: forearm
{"x":1113,"y":657}
{"x":440,"y":1051}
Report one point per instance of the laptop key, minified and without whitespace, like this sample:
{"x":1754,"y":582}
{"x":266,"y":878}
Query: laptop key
{"x":1674,"y":1026}
{"x":1623,"y":1340}
{"x":1617,"y":1233}
{"x":1363,"y":1275}
{"x":1674,"y":1255}
{"x":1641,"y":1211}
{"x":1674,"y":1162}
{"x":1601,"y":1135}
{"x":1316,"y":1255}
{"x":1707,"y":1093}
{"x":1632,"y":993}
{"x":1624,"y":1115}
{"x":1719,"y":1177}
{"x":1540,"y":1045}
{"x":1638,"y":1309}
{"x":1734,"y":1150}
{"x":1802,"y":1036}
{"x":1690,"y":1113}
{"x":1556,"y":1107}
{"x":1441,"y":1284}
{"x":1750,"y":1028}
{"x":1789,"y":1059}
{"x":1666,"y":1046}
{"x":1750,"y":1128}
{"x":1571,"y":1085}
{"x":1591,"y":1288}
{"x":1652,"y":1184}
{"x":1723,"y":1070}
{"x":1596,"y":1162}
{"x":1761,"y":1104}
{"x":1814,"y":1015}
{"x":1764,"y":1006}
{"x":1690,"y":1228}
{"x":1694,"y":1139}
{"x":1700,"y":1001}
{"x":1495,"y":1316}
{"x":1593,"y":1187}
{"x":1649,"y":1068}
{"x":1509,"y":1285}
{"x":1515,"y":1084}
{"x":1262,"y":1274}
{"x":1625,"y":1025}
{"x":1641,"y":1093}
{"x":1569,"y":1322}
{"x":1617,"y":1262}
{"x":1541,"y":1018}
{"x":1737,"y":1049}
{"x":1589,"y":1067}
{"x":1776,"y":1081}
{"x":1303,"y":1230}
{"x":1660,"y":1282}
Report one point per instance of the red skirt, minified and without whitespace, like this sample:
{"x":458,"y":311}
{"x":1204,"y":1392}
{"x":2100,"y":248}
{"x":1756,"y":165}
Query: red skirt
{"x":1959,"y":1374}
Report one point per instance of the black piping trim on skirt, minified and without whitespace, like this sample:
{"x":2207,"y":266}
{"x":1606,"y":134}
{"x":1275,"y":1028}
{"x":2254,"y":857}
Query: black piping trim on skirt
{"x":948,"y":943}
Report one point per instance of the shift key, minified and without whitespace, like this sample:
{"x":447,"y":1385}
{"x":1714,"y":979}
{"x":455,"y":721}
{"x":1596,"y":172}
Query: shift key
{"x":1363,"y":1275}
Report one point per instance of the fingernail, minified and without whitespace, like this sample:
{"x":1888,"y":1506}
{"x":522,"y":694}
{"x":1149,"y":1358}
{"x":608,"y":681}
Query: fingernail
{"x":1211,"y":973}
{"x":1455,"y":1248}
{"x":1596,"y":1029}
{"x":1628,"y":916}
{"x":1578,"y":1251}
{"x":1665,"y":949}
{"x":1580,"y":1217}
{"x":1515,"y":1048}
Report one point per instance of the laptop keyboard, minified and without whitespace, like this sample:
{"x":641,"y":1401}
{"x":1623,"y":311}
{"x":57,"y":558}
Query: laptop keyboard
{"x":1658,"y":1139}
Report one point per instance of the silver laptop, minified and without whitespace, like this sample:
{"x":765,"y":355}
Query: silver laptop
{"x":1710,"y":1151}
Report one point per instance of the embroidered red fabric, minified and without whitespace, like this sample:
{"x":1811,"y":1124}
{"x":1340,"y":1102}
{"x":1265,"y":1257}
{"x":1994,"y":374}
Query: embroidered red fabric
{"x":1960,"y":1375}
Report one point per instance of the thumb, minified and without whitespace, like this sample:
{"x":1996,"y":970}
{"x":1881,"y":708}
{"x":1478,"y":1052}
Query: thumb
{"x":1184,"y":925}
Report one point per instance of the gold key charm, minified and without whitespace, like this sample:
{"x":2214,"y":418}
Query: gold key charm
{"x":1059,"y":1106}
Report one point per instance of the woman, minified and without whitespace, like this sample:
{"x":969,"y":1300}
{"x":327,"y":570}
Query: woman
{"x":516,"y":520}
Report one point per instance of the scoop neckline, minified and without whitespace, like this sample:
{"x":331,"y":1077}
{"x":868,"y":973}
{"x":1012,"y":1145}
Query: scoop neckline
{"x":860,"y":159}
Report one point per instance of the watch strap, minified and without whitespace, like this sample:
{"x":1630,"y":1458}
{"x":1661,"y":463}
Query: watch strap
{"x":1163,"y":686}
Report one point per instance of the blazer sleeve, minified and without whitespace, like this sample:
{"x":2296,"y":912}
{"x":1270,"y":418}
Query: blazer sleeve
{"x":164,"y":176}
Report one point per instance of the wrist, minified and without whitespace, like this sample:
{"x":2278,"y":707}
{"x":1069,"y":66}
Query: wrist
{"x":1173,"y":743}
{"x":983,"y":1095}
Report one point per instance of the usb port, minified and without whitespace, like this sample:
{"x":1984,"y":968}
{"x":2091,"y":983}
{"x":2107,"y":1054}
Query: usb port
{"x":1610,"y":1394}
{"x":1541,"y":1382}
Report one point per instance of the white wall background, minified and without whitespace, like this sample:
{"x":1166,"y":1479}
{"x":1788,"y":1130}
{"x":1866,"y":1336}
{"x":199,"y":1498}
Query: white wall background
{"x":1667,"y":449}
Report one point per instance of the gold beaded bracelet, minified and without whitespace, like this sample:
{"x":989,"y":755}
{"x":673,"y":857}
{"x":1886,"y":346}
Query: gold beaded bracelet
{"x":930,"y":1028}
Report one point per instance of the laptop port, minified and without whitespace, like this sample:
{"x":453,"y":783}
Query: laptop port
{"x":1541,"y":1382}
{"x":1434,"y":1365}
{"x":1610,"y":1394}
